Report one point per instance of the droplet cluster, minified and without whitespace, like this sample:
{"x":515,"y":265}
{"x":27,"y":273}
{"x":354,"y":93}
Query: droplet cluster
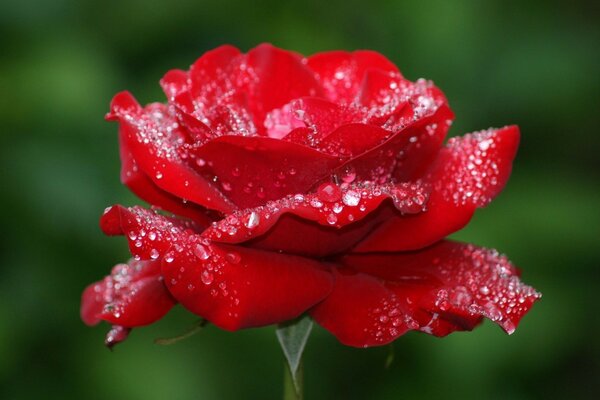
{"x":471,"y":173}
{"x":116,"y":289}
{"x":331,"y":205}
{"x":483,"y":283}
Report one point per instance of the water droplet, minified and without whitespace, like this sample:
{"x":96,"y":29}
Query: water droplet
{"x":154,"y":254}
{"x":252,"y":220}
{"x":351,"y":198}
{"x":316,"y":203}
{"x":159,"y":175}
{"x":484,"y":290}
{"x":331,"y":219}
{"x":233,"y":258}
{"x":235,"y":171}
{"x":226,"y":186}
{"x":349,"y":175}
{"x":207,"y":277}
{"x":200,"y":162}
{"x":201,"y":252}
{"x":329,"y":192}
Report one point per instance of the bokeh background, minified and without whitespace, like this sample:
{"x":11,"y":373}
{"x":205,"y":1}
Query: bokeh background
{"x":533,"y":63}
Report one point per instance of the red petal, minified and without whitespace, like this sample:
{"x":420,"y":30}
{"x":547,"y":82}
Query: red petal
{"x":315,"y":225}
{"x":174,"y":83}
{"x":405,"y":151}
{"x":237,"y":287}
{"x":253,"y":170}
{"x":149,"y":234}
{"x":468,"y":173}
{"x":116,"y":335}
{"x":132,"y":295}
{"x":155,"y":143}
{"x":210,"y":72}
{"x":444,"y":288}
{"x":341,"y":73}
{"x":279,"y":77}
{"x":144,"y":188}
{"x":318,"y":114}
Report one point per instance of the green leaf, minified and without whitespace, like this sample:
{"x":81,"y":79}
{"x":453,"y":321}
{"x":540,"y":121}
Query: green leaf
{"x":293,"y":337}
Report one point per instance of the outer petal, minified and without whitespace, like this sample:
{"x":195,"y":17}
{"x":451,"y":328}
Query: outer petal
{"x":467,"y":174}
{"x":154,"y":140}
{"x":233,"y":287}
{"x":319,"y":224}
{"x":149,"y":234}
{"x":143,"y":187}
{"x":238,"y":287}
{"x":441,"y":289}
{"x":132,"y":295}
{"x":341,"y":73}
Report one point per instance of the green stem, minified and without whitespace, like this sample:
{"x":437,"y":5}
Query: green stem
{"x":293,"y":391}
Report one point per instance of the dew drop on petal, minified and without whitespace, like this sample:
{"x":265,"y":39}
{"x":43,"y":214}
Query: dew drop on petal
{"x":201,"y":252}
{"x":252,"y":220}
{"x":351,"y":198}
{"x":207,"y":277}
{"x":233,"y":258}
{"x":329,"y":192}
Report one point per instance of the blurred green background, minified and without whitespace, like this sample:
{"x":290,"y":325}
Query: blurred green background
{"x":535,"y":64}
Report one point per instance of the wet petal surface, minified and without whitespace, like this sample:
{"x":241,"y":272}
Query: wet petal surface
{"x":155,"y":140}
{"x":445,"y":288}
{"x":321,"y":223}
{"x":132,"y":295}
{"x":468,"y":173}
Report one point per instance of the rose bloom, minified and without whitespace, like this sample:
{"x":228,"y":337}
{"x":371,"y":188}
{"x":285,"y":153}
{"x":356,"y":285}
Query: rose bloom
{"x":281,"y":185}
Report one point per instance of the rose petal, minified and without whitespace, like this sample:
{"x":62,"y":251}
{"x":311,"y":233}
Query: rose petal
{"x":468,"y":173}
{"x":444,"y":288}
{"x":321,"y":223}
{"x":341,"y":73}
{"x":279,"y":77}
{"x":144,"y":188}
{"x":149,"y":234}
{"x":132,"y":295}
{"x":237,"y":287}
{"x":318,"y":114}
{"x":403,"y":153}
{"x":154,"y":140}
{"x":253,"y":170}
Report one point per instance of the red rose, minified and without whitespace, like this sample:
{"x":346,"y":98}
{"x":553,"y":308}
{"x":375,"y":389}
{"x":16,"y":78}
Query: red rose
{"x":312,"y":185}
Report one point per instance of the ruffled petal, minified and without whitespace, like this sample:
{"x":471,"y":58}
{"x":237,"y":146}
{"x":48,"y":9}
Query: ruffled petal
{"x":155,"y":142}
{"x":445,"y":288}
{"x":238,"y":287}
{"x":412,"y":141}
{"x":132,"y":295}
{"x":233,"y":287}
{"x":341,"y":73}
{"x":322,"y":223}
{"x":468,"y":173}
